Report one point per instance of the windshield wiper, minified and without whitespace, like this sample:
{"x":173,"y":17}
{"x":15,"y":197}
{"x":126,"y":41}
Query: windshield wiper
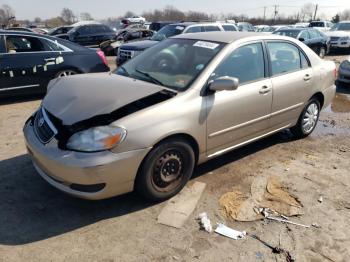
{"x":153,"y":79}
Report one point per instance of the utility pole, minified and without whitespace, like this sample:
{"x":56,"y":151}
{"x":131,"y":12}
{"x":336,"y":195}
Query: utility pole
{"x":265,"y":13}
{"x":275,"y":14}
{"x":316,"y":8}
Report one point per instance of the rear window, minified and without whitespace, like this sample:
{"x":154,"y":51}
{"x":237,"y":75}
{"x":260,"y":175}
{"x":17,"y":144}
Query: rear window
{"x":211,"y":28}
{"x":229,"y":28}
{"x":316,"y":24}
{"x":168,"y":31}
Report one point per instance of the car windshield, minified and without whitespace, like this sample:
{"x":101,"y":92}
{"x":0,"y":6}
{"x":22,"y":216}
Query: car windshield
{"x":290,"y":33}
{"x":341,"y":27}
{"x":173,"y":63}
{"x":168,"y":31}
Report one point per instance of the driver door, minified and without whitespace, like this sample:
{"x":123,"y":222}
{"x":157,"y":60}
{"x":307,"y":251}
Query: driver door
{"x":234,"y":117}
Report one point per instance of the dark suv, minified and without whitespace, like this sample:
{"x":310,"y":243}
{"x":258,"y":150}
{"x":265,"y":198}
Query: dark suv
{"x":89,"y":35}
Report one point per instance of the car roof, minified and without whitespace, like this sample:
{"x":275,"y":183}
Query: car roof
{"x":295,"y":29}
{"x":220,"y":36}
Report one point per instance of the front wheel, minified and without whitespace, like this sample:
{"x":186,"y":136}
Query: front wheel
{"x":308,"y":119}
{"x":165,"y":170}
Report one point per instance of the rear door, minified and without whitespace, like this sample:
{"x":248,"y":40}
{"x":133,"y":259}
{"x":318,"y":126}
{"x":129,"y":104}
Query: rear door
{"x":28,"y":63}
{"x":292,"y":77}
{"x":236,"y":116}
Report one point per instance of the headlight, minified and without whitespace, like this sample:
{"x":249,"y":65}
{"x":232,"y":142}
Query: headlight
{"x":345,"y":65}
{"x":346,"y":38}
{"x":96,"y":139}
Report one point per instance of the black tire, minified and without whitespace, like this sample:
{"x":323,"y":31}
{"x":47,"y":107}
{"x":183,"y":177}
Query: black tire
{"x":322,"y":52}
{"x":300,"y":130}
{"x":165,"y":170}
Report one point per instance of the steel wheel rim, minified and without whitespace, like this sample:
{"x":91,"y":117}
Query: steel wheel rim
{"x":310,"y":118}
{"x":168,"y":170}
{"x":66,"y":73}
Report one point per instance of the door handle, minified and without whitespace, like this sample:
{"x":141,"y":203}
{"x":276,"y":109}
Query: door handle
{"x":307,"y":77}
{"x":50,"y":59}
{"x":264,"y":90}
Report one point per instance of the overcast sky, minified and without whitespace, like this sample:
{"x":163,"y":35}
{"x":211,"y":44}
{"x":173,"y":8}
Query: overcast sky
{"x":29,"y":9}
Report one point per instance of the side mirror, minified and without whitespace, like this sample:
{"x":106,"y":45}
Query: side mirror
{"x":301,"y":39}
{"x":224,"y":83}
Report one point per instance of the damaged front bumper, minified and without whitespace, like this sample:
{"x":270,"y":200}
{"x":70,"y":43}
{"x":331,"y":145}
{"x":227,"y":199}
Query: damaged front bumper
{"x":90,"y":176}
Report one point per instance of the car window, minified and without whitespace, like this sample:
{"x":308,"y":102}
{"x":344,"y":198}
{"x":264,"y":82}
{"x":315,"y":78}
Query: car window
{"x":22,"y":44}
{"x":284,"y":57}
{"x":211,"y":28}
{"x":229,"y":28}
{"x":245,"y":63}
{"x":51,"y":46}
{"x":194,"y":29}
{"x":314,"y":34}
{"x":303,"y":61}
{"x":84,"y":30}
{"x":305,"y":35}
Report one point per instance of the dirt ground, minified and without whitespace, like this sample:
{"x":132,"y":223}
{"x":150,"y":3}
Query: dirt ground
{"x":39,"y":223}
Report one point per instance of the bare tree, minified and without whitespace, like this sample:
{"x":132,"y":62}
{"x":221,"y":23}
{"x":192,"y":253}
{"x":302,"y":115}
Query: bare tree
{"x":6,"y":14}
{"x":345,"y":15}
{"x":86,"y":16}
{"x":68,"y":15}
{"x":129,"y":14}
{"x":307,"y":12}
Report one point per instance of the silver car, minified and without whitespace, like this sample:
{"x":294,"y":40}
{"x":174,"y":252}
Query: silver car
{"x":182,"y":102}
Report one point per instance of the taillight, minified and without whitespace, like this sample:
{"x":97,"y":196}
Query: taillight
{"x":103,"y":57}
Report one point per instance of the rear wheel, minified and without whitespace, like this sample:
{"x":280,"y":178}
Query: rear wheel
{"x":66,"y":72}
{"x":308,"y":119}
{"x":322,"y":52}
{"x":165,"y":170}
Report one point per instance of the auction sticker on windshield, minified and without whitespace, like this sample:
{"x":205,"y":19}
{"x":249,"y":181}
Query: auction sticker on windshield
{"x":205,"y":44}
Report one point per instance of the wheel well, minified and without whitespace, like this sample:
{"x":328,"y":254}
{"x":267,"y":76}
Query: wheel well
{"x":319,"y":96}
{"x":188,"y":138}
{"x":191,"y":141}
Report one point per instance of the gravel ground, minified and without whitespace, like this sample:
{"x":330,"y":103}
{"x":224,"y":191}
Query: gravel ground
{"x":39,"y":223}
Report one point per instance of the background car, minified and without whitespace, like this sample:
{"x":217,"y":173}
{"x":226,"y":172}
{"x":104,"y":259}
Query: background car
{"x":313,"y":38}
{"x":344,"y":71}
{"x":130,"y":50}
{"x":340,"y":36}
{"x":60,"y":30}
{"x":91,"y":35}
{"x":321,"y":25}
{"x":110,"y":47}
{"x":245,"y":27}
{"x":136,"y":19}
{"x":273,"y":28}
{"x":28,"y":62}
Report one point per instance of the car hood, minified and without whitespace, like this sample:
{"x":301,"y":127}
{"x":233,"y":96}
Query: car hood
{"x":139,"y":46}
{"x":81,"y":97}
{"x":338,"y":33}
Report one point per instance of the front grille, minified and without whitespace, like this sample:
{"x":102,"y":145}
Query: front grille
{"x":43,"y":127}
{"x":334,"y":38}
{"x":125,"y":55}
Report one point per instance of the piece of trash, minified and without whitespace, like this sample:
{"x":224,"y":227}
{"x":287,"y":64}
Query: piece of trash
{"x":264,"y":192}
{"x":315,"y":225}
{"x":320,"y":199}
{"x":259,"y":255}
{"x":286,"y":169}
{"x":287,"y":221}
{"x":205,"y":222}
{"x":275,"y":250}
{"x":229,"y":232}
{"x":176,"y":258}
